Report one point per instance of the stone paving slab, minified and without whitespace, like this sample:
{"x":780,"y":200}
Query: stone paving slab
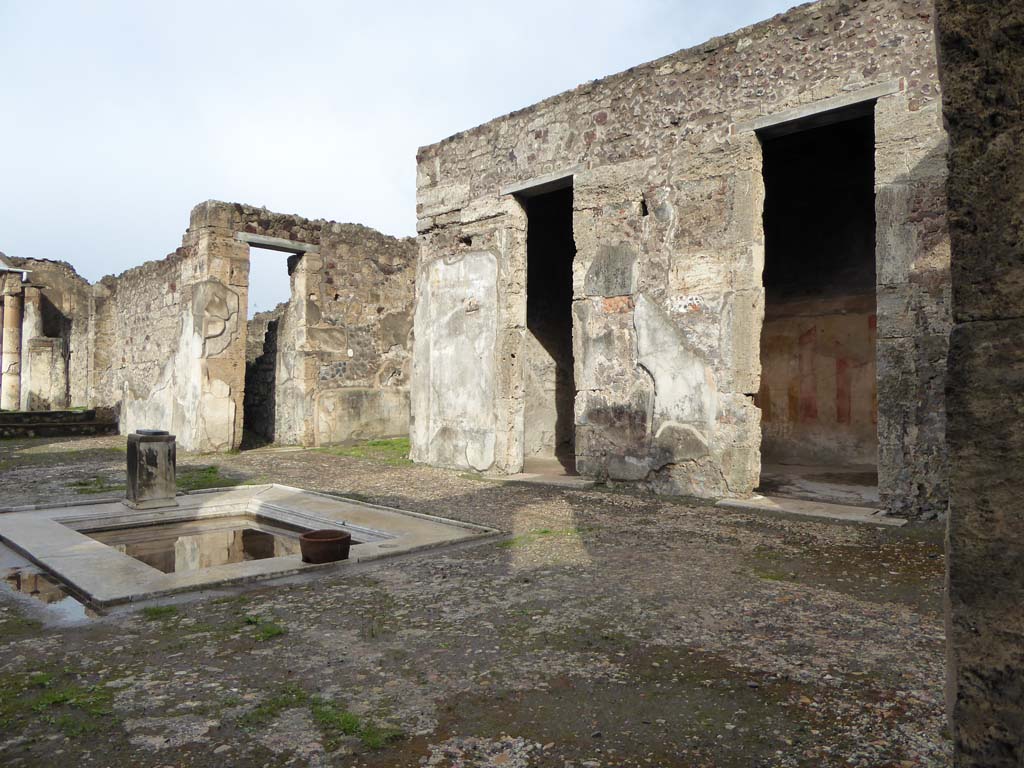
{"x":820,"y":509}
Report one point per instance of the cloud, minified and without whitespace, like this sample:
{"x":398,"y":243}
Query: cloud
{"x":120,"y":116}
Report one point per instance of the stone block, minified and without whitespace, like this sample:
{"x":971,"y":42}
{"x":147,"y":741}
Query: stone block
{"x":360,"y":413}
{"x":612,"y":271}
{"x":152,"y":460}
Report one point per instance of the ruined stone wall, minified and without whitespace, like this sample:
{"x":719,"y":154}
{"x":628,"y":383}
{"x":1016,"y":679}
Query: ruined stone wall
{"x":981,"y":48}
{"x":343,"y":340}
{"x":155,"y":327}
{"x":668,"y":299}
{"x":55,"y":374}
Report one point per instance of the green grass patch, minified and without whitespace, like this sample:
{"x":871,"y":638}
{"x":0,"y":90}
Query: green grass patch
{"x":159,"y":612}
{"x":61,"y":699}
{"x":334,"y":722}
{"x":96,"y":484}
{"x":268,"y":631}
{"x":287,"y":697}
{"x":18,"y":626}
{"x":201,"y":478}
{"x":541,"y":534}
{"x":264,"y":629}
{"x":394,"y":452}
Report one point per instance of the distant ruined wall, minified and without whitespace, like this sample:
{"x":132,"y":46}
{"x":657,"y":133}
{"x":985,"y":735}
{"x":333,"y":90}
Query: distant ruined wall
{"x":166,"y":345}
{"x":668,"y":298}
{"x":343,"y":340}
{"x":163,"y":333}
{"x":56,"y":347}
{"x":981,"y":49}
{"x":172,"y":348}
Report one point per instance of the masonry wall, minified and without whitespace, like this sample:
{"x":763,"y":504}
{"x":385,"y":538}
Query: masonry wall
{"x":982,"y":54}
{"x":668,"y":299}
{"x":171,"y":347}
{"x":55,"y":373}
{"x":162,"y":332}
{"x":343,"y":340}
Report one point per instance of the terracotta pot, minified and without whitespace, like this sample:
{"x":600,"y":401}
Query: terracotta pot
{"x":324,"y":546}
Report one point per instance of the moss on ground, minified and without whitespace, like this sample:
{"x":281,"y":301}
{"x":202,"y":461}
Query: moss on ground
{"x":394,"y":452}
{"x":202,"y":478}
{"x":335,"y":722}
{"x":96,"y":484}
{"x":62,"y":698}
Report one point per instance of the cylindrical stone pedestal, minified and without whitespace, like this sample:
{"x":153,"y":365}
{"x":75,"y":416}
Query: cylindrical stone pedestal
{"x":10,"y":361}
{"x":151,"y":470}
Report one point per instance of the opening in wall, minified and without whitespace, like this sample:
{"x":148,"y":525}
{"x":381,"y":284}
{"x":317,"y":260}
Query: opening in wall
{"x":549,"y":383}
{"x":269,"y":292}
{"x":818,"y":394}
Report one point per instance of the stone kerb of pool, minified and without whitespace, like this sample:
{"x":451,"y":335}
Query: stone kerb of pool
{"x":151,"y":470}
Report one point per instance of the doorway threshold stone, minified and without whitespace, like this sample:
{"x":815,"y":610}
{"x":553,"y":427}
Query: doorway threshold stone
{"x":842,"y":512}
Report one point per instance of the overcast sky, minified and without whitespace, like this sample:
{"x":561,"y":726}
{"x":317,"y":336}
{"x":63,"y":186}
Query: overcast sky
{"x":117,"y":117}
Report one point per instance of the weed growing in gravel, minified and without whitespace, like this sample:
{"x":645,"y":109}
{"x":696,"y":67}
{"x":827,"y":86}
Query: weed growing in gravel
{"x":265,"y":629}
{"x":201,"y":478}
{"x":288,"y":697}
{"x":96,"y":484}
{"x":159,"y":612}
{"x":59,"y":699}
{"x":268,"y":631}
{"x":17,"y":626}
{"x":333,"y":721}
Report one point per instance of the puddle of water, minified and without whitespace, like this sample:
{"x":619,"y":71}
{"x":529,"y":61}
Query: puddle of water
{"x":28,"y":580}
{"x":196,"y":544}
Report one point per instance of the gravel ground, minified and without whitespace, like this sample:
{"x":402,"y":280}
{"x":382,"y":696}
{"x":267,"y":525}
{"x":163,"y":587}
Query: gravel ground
{"x":608,"y":629}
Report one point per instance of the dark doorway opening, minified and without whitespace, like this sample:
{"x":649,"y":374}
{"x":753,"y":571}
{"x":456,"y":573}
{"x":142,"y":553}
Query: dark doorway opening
{"x":549,"y":381}
{"x":269,"y":292}
{"x":818,"y":395}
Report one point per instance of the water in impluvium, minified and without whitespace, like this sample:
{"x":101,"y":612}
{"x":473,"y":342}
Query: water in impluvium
{"x":195,"y":544}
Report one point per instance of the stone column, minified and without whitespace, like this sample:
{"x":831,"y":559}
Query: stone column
{"x":10,"y":363}
{"x":981,"y":54}
{"x":31,"y":329}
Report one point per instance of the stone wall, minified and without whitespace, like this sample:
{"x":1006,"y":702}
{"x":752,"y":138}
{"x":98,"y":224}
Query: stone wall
{"x":981,"y":47}
{"x":171,"y":346}
{"x":154,"y":327}
{"x":665,"y":163}
{"x":56,"y":306}
{"x":343,"y":340}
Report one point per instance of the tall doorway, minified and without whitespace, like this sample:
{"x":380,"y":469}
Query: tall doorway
{"x":549,"y":441}
{"x":269,"y":293}
{"x":818,"y":395}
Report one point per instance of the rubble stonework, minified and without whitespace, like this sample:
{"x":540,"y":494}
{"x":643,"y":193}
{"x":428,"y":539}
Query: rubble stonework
{"x":982,"y":55}
{"x":668,"y":300}
{"x":341,"y":367}
{"x":50,"y":316}
{"x":165,"y":344}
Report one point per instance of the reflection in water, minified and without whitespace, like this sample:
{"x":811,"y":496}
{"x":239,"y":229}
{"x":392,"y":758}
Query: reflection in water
{"x":29,"y":581}
{"x":189,"y":546}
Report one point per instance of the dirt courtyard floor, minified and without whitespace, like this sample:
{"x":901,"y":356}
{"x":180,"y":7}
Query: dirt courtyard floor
{"x":608,"y":628}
